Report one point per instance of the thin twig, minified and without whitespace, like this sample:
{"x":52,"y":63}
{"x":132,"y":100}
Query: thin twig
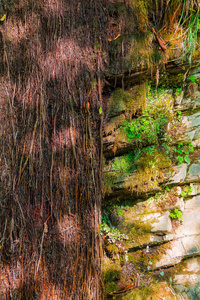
{"x":67,"y":229}
{"x":41,"y":245}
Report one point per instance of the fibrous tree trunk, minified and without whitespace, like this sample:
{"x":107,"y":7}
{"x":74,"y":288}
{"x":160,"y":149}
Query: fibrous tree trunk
{"x":51,"y":150}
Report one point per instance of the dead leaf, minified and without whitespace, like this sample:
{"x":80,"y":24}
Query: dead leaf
{"x":160,"y":41}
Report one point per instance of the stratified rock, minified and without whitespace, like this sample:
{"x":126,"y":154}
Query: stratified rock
{"x":179,"y":249}
{"x":186,"y":279}
{"x":114,"y":124}
{"x":163,"y":224}
{"x":191,"y":220}
{"x":158,"y":291}
{"x":179,"y":174}
{"x":193,"y":203}
{"x":194,"y":171}
{"x":189,"y":102}
{"x":192,"y":265}
{"x":195,"y":189}
{"x":178,"y":100}
{"x":155,"y":240}
{"x":116,"y":143}
{"x":191,"y":129}
{"x":188,"y":285}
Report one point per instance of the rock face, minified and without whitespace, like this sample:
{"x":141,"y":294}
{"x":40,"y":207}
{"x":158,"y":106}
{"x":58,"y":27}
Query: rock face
{"x":152,"y":189}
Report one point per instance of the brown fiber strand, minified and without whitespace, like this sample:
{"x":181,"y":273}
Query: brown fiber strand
{"x":51,"y":149}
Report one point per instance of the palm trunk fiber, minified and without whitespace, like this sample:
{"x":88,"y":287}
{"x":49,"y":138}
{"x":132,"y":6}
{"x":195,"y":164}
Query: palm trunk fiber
{"x":51,"y":150}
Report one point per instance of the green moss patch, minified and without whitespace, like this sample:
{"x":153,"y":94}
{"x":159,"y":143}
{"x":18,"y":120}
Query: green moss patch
{"x":156,"y":291}
{"x":132,"y":101}
{"x":151,"y":169}
{"x":111,"y":275}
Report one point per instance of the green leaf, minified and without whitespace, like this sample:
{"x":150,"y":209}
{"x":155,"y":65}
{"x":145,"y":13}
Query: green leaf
{"x":162,"y":273}
{"x":180,"y":159}
{"x":191,"y":148}
{"x":183,"y":193}
{"x":180,"y":145}
{"x":100,"y":110}
{"x":187,"y":160}
{"x":179,"y":215}
{"x":193,"y":79}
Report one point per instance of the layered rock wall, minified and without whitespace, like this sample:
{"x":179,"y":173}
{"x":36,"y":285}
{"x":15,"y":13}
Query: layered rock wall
{"x":151,"y":212}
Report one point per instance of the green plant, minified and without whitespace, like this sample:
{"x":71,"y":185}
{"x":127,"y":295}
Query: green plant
{"x":179,"y":113}
{"x":187,"y":190}
{"x":190,"y":147}
{"x":121,"y":164}
{"x":178,"y":91}
{"x":118,"y":210}
{"x":150,"y":263}
{"x":162,"y":273}
{"x":104,"y":219}
{"x":149,"y":150}
{"x":192,"y":24}
{"x":183,"y":152}
{"x":148,"y":128}
{"x":143,"y":128}
{"x":167,"y":188}
{"x":159,"y":198}
{"x":176,"y":214}
{"x":112,"y":234}
{"x":125,"y":163}
{"x":193,"y":79}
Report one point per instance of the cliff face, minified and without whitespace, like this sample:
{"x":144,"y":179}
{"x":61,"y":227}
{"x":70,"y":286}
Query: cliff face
{"x":150,"y":216}
{"x":150,"y":219}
